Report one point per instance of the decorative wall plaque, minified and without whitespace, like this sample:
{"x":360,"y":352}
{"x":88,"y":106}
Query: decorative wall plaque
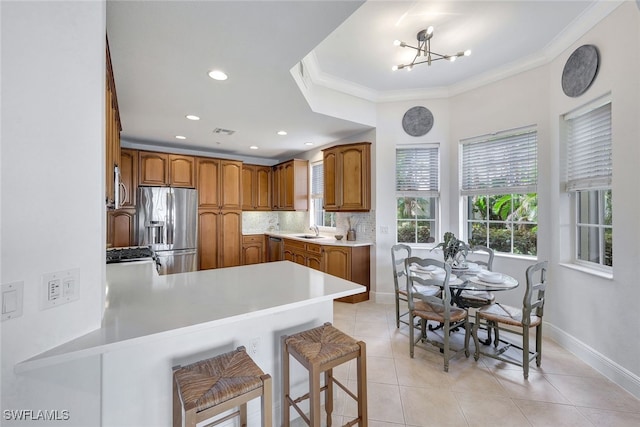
{"x":580,"y":70}
{"x":417,"y":121}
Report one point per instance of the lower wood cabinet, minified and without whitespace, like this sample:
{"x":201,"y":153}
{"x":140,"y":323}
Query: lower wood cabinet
{"x":121,"y":227}
{"x":253,"y":249}
{"x":219,"y":238}
{"x":346,"y":262}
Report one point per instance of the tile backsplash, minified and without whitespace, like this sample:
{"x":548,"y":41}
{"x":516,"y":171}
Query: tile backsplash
{"x":298,"y":222}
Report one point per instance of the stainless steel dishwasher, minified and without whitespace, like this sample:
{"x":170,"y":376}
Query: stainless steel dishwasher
{"x":274,"y":249}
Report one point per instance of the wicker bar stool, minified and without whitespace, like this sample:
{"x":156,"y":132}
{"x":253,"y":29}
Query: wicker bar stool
{"x":319,"y":350}
{"x":210,"y":387}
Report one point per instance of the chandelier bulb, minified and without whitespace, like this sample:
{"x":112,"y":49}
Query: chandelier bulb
{"x":467,"y":52}
{"x":430,"y":30}
{"x":451,"y":58}
{"x":397,"y":42}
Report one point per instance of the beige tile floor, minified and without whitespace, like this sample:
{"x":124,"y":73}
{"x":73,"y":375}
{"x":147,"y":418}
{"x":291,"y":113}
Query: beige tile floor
{"x":402,"y":391}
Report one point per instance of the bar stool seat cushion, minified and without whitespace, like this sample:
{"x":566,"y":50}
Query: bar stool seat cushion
{"x":322,"y":344}
{"x":210,"y":382}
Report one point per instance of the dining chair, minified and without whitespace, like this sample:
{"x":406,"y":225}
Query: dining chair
{"x":436,"y":308}
{"x":400,"y":252}
{"x":505,"y":318}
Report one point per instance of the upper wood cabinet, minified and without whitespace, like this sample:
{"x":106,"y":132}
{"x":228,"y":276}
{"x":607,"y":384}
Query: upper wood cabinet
{"x":164,"y":169}
{"x":290,"y":186}
{"x":128,"y":177}
{"x":113,"y":128}
{"x":219,"y":183}
{"x":154,"y":168}
{"x":256,"y":188}
{"x":347,"y":178}
{"x":182,"y":171}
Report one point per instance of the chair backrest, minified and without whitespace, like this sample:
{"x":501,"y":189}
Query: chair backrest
{"x":534,"y":293}
{"x":399,"y":253}
{"x":443,"y":297}
{"x":479,"y":249}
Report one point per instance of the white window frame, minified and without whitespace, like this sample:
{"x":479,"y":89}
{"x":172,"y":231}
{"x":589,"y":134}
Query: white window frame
{"x":316,"y":196}
{"x":589,"y":168}
{"x":488,"y":168}
{"x":423,"y":186}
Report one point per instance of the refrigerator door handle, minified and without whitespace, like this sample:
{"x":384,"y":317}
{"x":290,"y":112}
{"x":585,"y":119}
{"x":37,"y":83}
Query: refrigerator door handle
{"x":170,"y":217}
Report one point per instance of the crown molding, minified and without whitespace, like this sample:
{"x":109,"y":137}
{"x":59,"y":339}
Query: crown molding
{"x":572,"y":33}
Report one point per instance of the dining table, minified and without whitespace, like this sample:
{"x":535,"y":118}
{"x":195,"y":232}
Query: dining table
{"x":471,"y":277}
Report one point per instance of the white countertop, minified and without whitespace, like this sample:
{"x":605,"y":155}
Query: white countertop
{"x":141,"y":305}
{"x":323,"y":240}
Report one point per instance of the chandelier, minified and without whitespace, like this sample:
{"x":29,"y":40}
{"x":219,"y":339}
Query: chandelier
{"x":424,"y":50}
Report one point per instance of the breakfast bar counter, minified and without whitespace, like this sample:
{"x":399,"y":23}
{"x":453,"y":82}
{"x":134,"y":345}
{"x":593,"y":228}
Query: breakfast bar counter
{"x":153,"y":322}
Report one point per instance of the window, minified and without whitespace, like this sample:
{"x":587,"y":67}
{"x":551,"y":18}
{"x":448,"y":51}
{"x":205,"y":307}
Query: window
{"x":318,"y":216}
{"x":417,"y":193}
{"x":499,"y":180}
{"x":589,"y":170}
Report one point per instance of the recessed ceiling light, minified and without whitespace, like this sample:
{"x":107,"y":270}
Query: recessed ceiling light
{"x":180,"y":137}
{"x":192,"y":117}
{"x":254,"y":147}
{"x":308,"y":143}
{"x":218,"y":75}
{"x":281,"y":132}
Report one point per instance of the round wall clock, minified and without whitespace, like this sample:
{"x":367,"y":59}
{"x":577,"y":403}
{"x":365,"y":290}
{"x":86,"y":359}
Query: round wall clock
{"x":580,"y":70}
{"x":417,"y":121}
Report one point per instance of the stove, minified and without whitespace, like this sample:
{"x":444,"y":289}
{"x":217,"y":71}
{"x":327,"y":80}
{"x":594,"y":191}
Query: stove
{"x":128,"y":254}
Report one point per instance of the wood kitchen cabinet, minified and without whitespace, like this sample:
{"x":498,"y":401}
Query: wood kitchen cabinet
{"x":219,"y":238}
{"x":219,"y":212}
{"x":113,"y":127}
{"x":162,"y":169}
{"x":350,"y":263}
{"x":256,"y":188}
{"x":219,"y":183}
{"x":290,"y":181}
{"x":120,"y":227}
{"x":253,"y":249}
{"x":128,"y":177}
{"x":347,"y":178}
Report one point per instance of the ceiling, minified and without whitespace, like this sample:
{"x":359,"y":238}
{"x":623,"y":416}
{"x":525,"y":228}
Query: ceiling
{"x":162,"y":52}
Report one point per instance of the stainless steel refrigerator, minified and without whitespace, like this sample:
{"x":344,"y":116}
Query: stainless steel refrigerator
{"x":168,"y":222}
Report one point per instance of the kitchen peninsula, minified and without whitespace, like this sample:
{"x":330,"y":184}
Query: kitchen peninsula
{"x":153,"y":322}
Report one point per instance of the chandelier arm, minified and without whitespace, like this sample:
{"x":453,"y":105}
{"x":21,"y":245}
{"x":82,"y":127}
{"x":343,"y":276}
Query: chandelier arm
{"x":425,"y":61}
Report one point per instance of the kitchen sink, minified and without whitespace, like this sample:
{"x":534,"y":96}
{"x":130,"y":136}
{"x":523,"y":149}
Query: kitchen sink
{"x":310,"y":237}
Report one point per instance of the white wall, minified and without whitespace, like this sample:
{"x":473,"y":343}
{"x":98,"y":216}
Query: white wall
{"x":52,"y":195}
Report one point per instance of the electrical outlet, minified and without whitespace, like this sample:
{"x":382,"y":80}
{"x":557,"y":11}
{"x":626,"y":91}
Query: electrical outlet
{"x":384,"y":229}
{"x":254,"y":346}
{"x":59,"y":288}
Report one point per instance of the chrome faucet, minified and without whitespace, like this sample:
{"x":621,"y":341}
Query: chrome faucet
{"x":315,"y":229}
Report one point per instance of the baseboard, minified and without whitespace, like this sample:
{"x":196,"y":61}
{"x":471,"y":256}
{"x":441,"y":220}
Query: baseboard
{"x":383,"y":297}
{"x":607,"y":367}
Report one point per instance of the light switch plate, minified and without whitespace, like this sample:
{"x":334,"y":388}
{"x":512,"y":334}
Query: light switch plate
{"x":59,"y":288}
{"x":12,"y":297}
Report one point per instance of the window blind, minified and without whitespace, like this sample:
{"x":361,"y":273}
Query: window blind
{"x":500,"y":164}
{"x":417,"y":169}
{"x":589,"y":165}
{"x":317,"y":181}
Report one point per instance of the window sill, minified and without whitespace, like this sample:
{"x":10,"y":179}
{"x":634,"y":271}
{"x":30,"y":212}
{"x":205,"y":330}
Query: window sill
{"x":587,"y":270}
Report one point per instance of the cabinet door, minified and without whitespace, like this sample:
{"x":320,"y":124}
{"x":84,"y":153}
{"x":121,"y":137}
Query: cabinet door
{"x":182,"y":171}
{"x":208,"y":239}
{"x":128,"y":177}
{"x":208,"y":183}
{"x":276,"y":173}
{"x":231,"y":184}
{"x":337,"y":261}
{"x":262,"y":188}
{"x":287,"y":186}
{"x":315,"y":262}
{"x":252,"y":253}
{"x":154,"y":168}
{"x":248,"y":178}
{"x":330,"y":164}
{"x":230,"y":243}
{"x":121,"y":227}
{"x":354,"y":174}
